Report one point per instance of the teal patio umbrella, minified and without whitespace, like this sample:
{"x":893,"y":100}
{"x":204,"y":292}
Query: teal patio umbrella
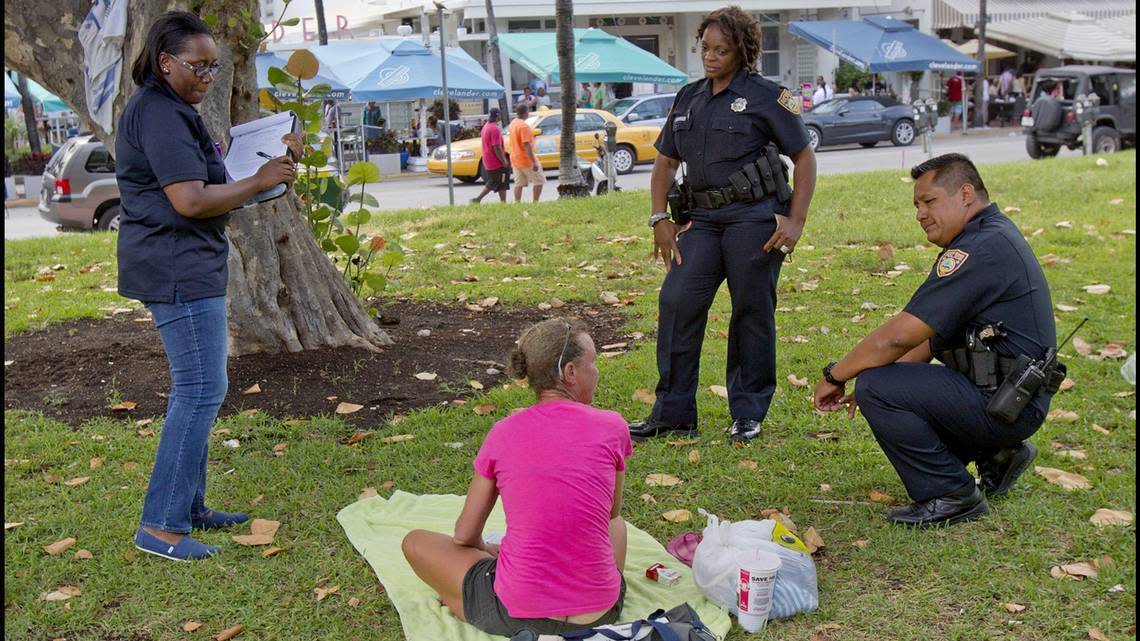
{"x":598,"y":57}
{"x":11,"y":93}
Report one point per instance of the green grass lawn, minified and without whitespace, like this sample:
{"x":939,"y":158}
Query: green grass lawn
{"x":876,"y":581}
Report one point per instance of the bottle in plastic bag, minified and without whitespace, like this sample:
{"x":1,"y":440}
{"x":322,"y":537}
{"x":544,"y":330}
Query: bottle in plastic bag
{"x":1128,"y":370}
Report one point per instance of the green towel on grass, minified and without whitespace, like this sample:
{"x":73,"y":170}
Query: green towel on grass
{"x":376,"y":526}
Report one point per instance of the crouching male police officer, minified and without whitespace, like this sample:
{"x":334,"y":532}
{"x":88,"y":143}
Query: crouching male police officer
{"x":985,"y":311}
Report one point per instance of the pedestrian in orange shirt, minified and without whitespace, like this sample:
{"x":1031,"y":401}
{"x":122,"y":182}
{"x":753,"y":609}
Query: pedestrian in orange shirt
{"x":523,"y":159}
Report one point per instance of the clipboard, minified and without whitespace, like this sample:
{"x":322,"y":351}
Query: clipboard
{"x":262,"y":135}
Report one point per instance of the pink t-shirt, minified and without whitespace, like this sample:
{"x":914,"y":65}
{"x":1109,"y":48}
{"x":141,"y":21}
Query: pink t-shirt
{"x":554,"y":464}
{"x":491,"y":136}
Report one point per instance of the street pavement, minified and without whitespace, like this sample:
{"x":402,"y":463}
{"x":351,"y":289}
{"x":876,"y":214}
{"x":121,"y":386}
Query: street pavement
{"x":21,"y":219}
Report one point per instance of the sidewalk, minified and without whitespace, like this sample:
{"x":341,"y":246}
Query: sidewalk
{"x":984,"y":132}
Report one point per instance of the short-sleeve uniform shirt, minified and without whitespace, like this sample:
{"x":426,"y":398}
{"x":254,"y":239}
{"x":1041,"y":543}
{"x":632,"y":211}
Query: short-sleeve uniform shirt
{"x":717,"y":135}
{"x":985,"y":275}
{"x":162,"y":140}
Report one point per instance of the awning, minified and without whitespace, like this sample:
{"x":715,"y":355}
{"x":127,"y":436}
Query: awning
{"x":598,"y":57}
{"x":11,"y":93}
{"x":1067,"y":36}
{"x":993,"y":52}
{"x":964,"y":13}
{"x":391,"y":68}
{"x":883,"y":44}
{"x":264,"y":61}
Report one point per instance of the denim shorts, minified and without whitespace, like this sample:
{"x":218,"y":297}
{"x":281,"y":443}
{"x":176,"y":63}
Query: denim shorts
{"x":483,"y":609}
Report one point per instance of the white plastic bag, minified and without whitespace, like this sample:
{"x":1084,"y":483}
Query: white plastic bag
{"x":715,"y":569}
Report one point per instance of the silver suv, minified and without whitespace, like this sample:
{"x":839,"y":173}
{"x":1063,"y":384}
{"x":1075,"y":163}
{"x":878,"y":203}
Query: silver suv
{"x":79,"y":188}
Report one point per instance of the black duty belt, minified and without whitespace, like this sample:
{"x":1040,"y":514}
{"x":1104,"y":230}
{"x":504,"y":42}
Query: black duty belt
{"x":716,"y":198}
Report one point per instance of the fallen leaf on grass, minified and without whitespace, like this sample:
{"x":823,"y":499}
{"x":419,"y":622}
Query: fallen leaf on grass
{"x":59,"y":547}
{"x":190,"y":626}
{"x":125,"y":406}
{"x":1105,"y":516}
{"x":677,"y":516}
{"x":610,"y":298}
{"x":823,"y":436}
{"x":62,"y":593}
{"x":366,"y":493}
{"x":475,"y":384}
{"x":812,"y":540}
{"x":348,"y":408}
{"x":1113,"y":351}
{"x":1013,"y":608}
{"x":662,"y":480}
{"x":252,"y":389}
{"x":279,"y":449}
{"x":1096,"y":428}
{"x":484,"y":409}
{"x":1011,"y":210}
{"x":746,"y":464}
{"x":879,"y":497}
{"x":77,"y":481}
{"x":353,"y":602}
{"x":321,"y":593}
{"x":1096,"y":635}
{"x":427,"y":376}
{"x":644,"y":395}
{"x":785,"y":520}
{"x":886,"y":251}
{"x":261,"y":533}
{"x":1083,"y":347}
{"x":1096,"y":289}
{"x":1061,"y":307}
{"x":1116,"y":201}
{"x":84,"y":555}
{"x":1076,"y":571}
{"x":229,"y":633}
{"x":798,"y":382}
{"x":1066,"y":385}
{"x":130,"y":466}
{"x":489,"y":302}
{"x":1077,"y":454}
{"x":685,"y":443}
{"x":1065,"y":416}
{"x":1064,"y":224}
{"x":9,"y":526}
{"x":694,"y":456}
{"x":1067,"y":480}
{"x":648,"y":498}
{"x":824,"y":487}
{"x":273,"y":551}
{"x":719,"y":390}
{"x":398,"y":438}
{"x":861,"y":543}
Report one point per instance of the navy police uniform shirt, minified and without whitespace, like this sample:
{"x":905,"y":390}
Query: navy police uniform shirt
{"x":162,"y":140}
{"x":985,"y":275}
{"x":717,"y":135}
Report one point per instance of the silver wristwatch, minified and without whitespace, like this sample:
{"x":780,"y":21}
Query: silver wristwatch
{"x":658,"y":217}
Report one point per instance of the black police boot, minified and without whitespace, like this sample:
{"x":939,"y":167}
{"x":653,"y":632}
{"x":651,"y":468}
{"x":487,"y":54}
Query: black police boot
{"x":998,"y":472}
{"x":743,"y":430}
{"x":651,"y":427}
{"x":942,"y":510}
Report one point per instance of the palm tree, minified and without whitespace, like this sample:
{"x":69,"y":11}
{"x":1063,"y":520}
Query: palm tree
{"x":496,"y":59}
{"x":570,"y":182}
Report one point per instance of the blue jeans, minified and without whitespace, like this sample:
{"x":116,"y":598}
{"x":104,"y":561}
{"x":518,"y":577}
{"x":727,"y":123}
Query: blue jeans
{"x":194,"y":336}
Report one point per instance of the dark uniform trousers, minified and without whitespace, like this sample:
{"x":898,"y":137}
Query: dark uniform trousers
{"x":722,"y":243}
{"x":931,"y":421}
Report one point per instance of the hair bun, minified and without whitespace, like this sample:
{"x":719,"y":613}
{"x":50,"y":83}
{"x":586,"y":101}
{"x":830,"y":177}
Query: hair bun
{"x":516,"y":367}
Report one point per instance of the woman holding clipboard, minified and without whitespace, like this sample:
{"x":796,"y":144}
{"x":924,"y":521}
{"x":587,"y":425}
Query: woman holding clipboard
{"x":172,"y":252}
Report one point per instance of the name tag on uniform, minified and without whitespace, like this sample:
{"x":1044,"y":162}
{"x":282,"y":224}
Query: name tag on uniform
{"x":681,"y":118}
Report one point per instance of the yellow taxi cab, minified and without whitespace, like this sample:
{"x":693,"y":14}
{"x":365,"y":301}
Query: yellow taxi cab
{"x":635,"y":143}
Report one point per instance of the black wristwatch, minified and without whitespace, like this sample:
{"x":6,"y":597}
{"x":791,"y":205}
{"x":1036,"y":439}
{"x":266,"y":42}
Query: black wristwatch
{"x":828,"y":377}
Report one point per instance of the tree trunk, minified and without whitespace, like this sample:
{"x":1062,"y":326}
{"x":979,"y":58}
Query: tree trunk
{"x":29,"y":109}
{"x":496,"y":58}
{"x":570,"y":182}
{"x":980,"y":107}
{"x":284,"y":292}
{"x":322,"y":29}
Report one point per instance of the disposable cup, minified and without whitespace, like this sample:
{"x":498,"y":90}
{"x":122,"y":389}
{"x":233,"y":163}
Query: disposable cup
{"x":754,"y":593}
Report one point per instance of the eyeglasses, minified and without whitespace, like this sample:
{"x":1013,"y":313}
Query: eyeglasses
{"x":199,"y":70}
{"x":563,"y":353}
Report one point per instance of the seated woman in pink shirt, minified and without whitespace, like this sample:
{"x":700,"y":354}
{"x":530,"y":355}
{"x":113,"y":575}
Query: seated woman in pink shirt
{"x":559,"y":466}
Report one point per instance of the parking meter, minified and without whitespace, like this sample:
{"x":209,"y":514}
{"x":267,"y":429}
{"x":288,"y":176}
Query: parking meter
{"x":920,"y":119}
{"x":1082,"y":112}
{"x":611,"y":147}
{"x":932,"y":114}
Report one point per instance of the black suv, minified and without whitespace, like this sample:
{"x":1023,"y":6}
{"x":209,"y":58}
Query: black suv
{"x":1115,"y":126}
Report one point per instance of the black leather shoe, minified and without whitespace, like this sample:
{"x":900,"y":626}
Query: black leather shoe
{"x":999,"y":471}
{"x":942,"y":510}
{"x":743,"y":430}
{"x":651,"y":427}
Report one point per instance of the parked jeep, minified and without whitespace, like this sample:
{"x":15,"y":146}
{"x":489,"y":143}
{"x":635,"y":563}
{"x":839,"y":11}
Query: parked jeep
{"x":1115,"y":125}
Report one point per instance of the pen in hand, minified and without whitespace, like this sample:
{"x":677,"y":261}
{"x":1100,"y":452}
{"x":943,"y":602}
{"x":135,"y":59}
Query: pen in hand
{"x":264,"y":155}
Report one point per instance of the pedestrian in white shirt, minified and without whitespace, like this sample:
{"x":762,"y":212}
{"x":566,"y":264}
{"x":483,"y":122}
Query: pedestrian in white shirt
{"x":822,"y":92}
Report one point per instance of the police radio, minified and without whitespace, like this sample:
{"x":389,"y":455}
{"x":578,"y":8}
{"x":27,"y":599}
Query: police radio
{"x":1021,"y":384}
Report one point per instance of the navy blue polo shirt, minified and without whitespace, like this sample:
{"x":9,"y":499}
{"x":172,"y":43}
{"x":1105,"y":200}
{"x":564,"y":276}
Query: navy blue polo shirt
{"x":717,"y":135}
{"x":988,"y":274}
{"x":162,"y":140}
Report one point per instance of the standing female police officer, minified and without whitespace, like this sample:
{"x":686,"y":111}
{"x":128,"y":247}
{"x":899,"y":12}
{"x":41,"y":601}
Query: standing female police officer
{"x":716,"y":127}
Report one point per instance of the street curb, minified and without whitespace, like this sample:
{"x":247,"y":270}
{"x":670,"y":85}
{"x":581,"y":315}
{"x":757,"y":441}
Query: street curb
{"x":21,"y":202}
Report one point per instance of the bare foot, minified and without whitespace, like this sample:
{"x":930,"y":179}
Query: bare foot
{"x":166,"y":537}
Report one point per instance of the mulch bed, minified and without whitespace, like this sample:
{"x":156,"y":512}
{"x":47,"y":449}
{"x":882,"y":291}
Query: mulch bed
{"x":73,"y":371}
